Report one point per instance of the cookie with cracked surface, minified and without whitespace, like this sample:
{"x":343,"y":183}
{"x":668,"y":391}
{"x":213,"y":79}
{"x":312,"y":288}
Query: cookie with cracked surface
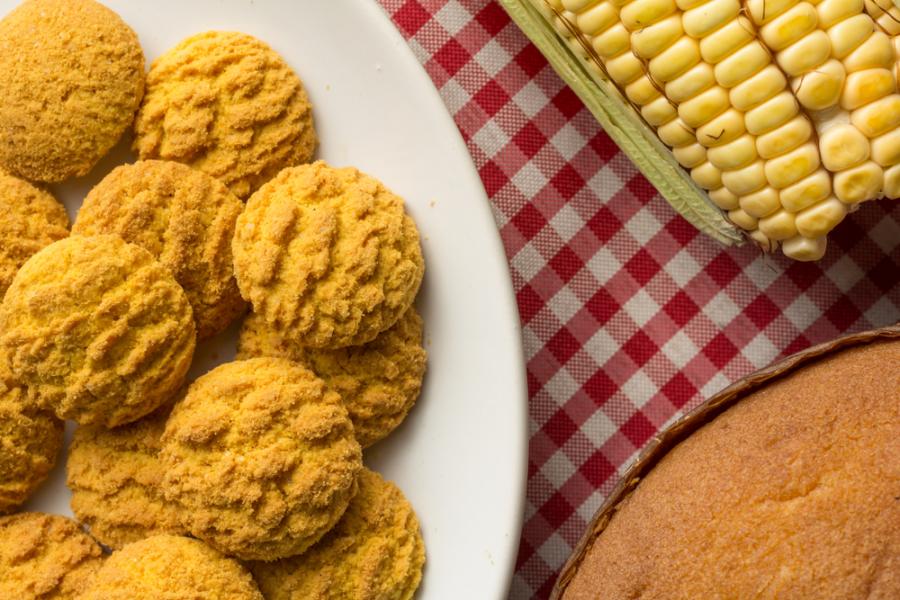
{"x":261,"y":458}
{"x":185,"y":219}
{"x":45,"y":557}
{"x":71,"y":79}
{"x":227,"y":104}
{"x":32,"y":219}
{"x":171,"y":567}
{"x":327,"y":255}
{"x":97,"y":330}
{"x":378,"y":382}
{"x":115,"y":477}
{"x":30,"y":439}
{"x":375,"y":552}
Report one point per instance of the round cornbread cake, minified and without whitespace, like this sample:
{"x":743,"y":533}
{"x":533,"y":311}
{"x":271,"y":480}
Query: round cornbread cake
{"x":71,"y":79}
{"x":185,"y":219}
{"x":45,"y":557}
{"x":793,"y":492}
{"x":260,"y":457}
{"x":327,"y":255}
{"x":378,"y":382}
{"x":32,"y":219}
{"x":96,"y":330}
{"x":30,"y":439}
{"x":226,"y":104}
{"x":167,"y":567}
{"x":375,"y":552}
{"x":115,"y":477}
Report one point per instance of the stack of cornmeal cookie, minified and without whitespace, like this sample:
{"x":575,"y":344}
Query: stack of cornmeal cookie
{"x":248,"y":482}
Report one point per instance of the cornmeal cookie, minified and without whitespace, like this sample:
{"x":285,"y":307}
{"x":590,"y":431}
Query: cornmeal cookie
{"x":185,"y":219}
{"x":168,"y":567}
{"x":375,"y":552}
{"x":44,"y":557}
{"x":327,"y":256}
{"x":97,"y":330}
{"x":30,"y":439}
{"x":71,"y":79}
{"x":378,"y":382}
{"x":261,"y":458}
{"x":32,"y":219}
{"x":115,"y":477}
{"x":227,"y":104}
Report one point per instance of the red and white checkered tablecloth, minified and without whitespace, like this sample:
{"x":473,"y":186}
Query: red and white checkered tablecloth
{"x":629,"y":315}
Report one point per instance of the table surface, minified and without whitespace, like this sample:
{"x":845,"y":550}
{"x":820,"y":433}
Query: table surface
{"x":629,"y":316}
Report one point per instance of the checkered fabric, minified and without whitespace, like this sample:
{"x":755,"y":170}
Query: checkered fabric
{"x":630,"y":317}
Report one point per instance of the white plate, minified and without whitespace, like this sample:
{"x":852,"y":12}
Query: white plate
{"x":461,"y":455}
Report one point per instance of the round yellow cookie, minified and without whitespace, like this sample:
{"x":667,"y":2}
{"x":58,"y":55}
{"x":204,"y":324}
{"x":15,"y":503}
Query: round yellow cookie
{"x":227,"y":104}
{"x":375,"y":552}
{"x":378,"y":382}
{"x":168,"y":567}
{"x":71,"y":79}
{"x":45,"y":557}
{"x":185,"y":219}
{"x":97,"y":330}
{"x":32,"y":219}
{"x":261,"y":458}
{"x":116,"y":477}
{"x":327,"y":256}
{"x":30,"y":440}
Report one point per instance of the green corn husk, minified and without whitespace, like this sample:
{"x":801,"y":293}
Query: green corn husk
{"x":625,"y":126}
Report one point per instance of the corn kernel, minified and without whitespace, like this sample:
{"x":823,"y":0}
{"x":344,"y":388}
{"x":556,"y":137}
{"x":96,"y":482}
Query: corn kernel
{"x":804,"y":249}
{"x":760,"y":239}
{"x":742,"y":219}
{"x":707,"y":176}
{"x":806,"y":192}
{"x":778,"y":226}
{"x":734,"y":155}
{"x":658,"y":112}
{"x":859,"y":183}
{"x":703,"y":20}
{"x":820,"y":88}
{"x":807,"y":54}
{"x":834,"y":11}
{"x":864,"y":87}
{"x":849,"y":35}
{"x":743,"y":64}
{"x":612,"y":42}
{"x":875,"y":52}
{"x":843,"y":147}
{"x":676,"y":133}
{"x":818,"y":220}
{"x":790,"y":27}
{"x":886,"y":148}
{"x":723,"y":42}
{"x":690,"y":155}
{"x":790,"y":168}
{"x":642,"y":90}
{"x":640,"y":13}
{"x":704,"y":107}
{"x":785,"y":138}
{"x":773,"y":113}
{"x":762,"y":203}
{"x":624,"y":68}
{"x":694,"y":81}
{"x":747,"y":180}
{"x":724,"y":199}
{"x":675,"y":60}
{"x":763,"y":11}
{"x":891,"y":187}
{"x":653,"y":39}
{"x":878,"y":117}
{"x":726,"y":127}
{"x":758,"y":88}
{"x":596,"y":19}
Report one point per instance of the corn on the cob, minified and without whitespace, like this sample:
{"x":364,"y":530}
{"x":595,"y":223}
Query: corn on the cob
{"x":786,"y":111}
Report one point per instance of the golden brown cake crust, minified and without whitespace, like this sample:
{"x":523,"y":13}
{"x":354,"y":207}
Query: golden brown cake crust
{"x":30,"y":439}
{"x":32,"y":219}
{"x":71,"y":79}
{"x":45,"y":557}
{"x":792,"y":494}
{"x":261,"y":458}
{"x":378,"y":382}
{"x":227,"y":104}
{"x":171,"y":568}
{"x":97,"y":330}
{"x":327,"y":256}
{"x":375,"y":552}
{"x":115,"y":477}
{"x":185,"y":219}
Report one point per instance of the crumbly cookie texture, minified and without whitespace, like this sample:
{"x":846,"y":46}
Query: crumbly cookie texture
{"x":71,"y":79}
{"x":30,"y":439}
{"x":116,"y":477}
{"x":227,"y":104}
{"x":32,"y":219}
{"x":185,"y":219}
{"x":375,"y":552}
{"x":97,"y":330}
{"x":327,"y":256}
{"x":261,"y":458}
{"x":171,"y":567}
{"x":45,"y":557}
{"x":378,"y":382}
